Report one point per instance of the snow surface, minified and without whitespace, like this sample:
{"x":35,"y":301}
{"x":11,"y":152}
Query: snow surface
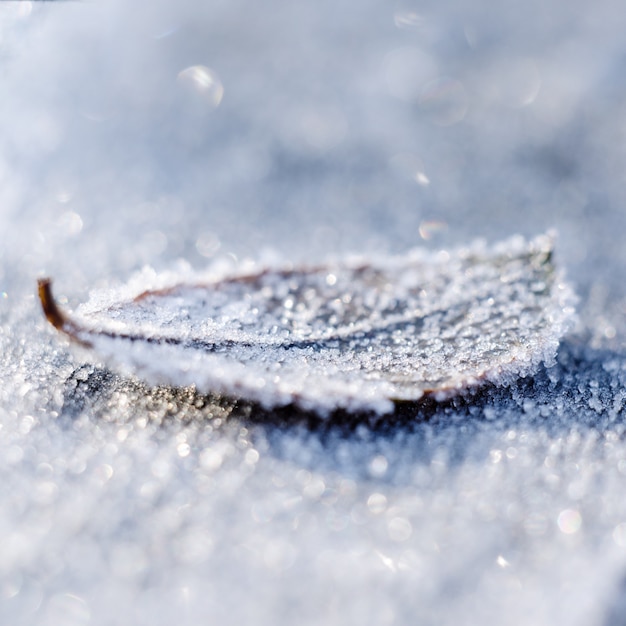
{"x":238,"y":133}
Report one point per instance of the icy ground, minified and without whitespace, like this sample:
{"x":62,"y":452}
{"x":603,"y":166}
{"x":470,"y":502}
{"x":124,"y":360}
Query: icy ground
{"x":149,"y":132}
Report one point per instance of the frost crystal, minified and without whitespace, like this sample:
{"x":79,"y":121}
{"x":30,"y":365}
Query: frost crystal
{"x":352,"y":335}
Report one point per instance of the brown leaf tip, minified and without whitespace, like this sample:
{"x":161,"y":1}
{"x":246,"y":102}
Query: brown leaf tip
{"x":52,"y":312}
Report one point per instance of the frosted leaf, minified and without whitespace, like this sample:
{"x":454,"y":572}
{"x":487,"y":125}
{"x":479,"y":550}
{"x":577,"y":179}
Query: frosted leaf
{"x":356,"y":335}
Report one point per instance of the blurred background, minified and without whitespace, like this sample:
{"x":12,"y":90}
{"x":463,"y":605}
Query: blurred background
{"x":308,"y":130}
{"x":144,"y":133}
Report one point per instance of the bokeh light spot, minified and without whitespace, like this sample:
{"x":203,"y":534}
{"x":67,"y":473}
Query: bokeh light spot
{"x":378,"y":466}
{"x":619,"y":535}
{"x":569,"y":521}
{"x":399,"y":529}
{"x":411,"y":167}
{"x":205,"y":82}
{"x":71,"y":223}
{"x":431,"y":228}
{"x":207,"y":244}
{"x":377,"y":503}
{"x":408,"y":19}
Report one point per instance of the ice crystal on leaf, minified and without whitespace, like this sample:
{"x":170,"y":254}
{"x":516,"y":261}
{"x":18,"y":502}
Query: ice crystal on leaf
{"x":356,"y":335}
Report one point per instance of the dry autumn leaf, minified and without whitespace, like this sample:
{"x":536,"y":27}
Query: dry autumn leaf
{"x":350,"y":335}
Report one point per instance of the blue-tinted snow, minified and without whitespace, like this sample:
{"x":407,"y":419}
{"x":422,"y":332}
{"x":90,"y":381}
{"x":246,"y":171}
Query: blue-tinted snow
{"x":343,"y":128}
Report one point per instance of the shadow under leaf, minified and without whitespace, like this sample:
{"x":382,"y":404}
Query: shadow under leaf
{"x":583,"y":389}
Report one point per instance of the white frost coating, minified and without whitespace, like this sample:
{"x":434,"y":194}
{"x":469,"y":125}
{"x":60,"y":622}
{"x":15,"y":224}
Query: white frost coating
{"x":355,"y":335}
